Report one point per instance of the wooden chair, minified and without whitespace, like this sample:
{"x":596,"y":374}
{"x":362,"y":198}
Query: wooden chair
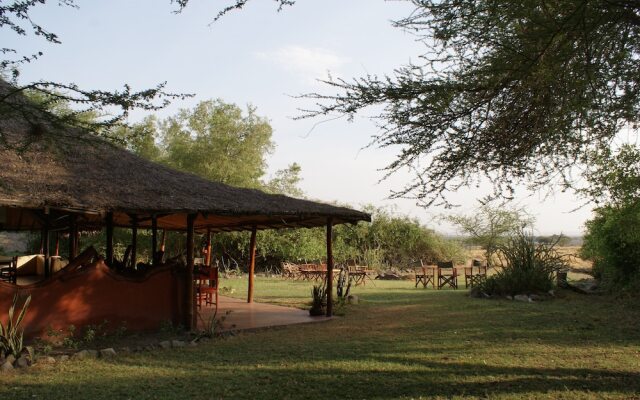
{"x":447,"y":275}
{"x":9,"y":270}
{"x":425,"y":275}
{"x":207,"y":286}
{"x":475,"y":274}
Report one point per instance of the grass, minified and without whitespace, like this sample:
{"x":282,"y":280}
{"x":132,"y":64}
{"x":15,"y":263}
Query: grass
{"x":399,"y":343}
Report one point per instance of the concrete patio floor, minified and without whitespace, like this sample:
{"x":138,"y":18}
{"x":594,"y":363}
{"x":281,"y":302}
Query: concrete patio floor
{"x":248,"y":316}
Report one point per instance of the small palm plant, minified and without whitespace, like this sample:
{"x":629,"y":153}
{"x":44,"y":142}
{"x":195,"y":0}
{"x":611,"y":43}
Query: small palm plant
{"x":318,"y":300}
{"x":11,"y":335}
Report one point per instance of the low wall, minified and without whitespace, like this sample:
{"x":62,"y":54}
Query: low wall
{"x":91,"y":294}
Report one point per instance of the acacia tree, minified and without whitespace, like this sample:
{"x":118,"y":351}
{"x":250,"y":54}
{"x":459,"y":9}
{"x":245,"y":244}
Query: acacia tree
{"x":109,"y":109}
{"x":516,"y":92}
{"x":490,"y":226}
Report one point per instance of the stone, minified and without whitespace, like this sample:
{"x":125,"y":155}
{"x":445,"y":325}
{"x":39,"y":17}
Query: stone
{"x":10,"y":359}
{"x":353,"y":299}
{"x":521,"y":297}
{"x":536,"y":297}
{"x":7,"y":366}
{"x":150,"y":347}
{"x":193,"y":343}
{"x":178,"y":343}
{"x":93,"y":353}
{"x":165,"y":344}
{"x":508,"y":297}
{"x":125,"y":350}
{"x":22,"y":362}
{"x":81,"y":355}
{"x":108,"y":353}
{"x":46,"y":360}
{"x":552,"y":293}
{"x":63,"y":358}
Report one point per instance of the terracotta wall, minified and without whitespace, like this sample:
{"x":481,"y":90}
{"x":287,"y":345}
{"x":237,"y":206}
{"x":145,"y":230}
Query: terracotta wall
{"x":93,"y":294}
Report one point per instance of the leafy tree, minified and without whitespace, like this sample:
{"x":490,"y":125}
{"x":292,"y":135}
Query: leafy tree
{"x":286,"y":181}
{"x":217,"y":141}
{"x":513,"y":92}
{"x":490,"y":227}
{"x":108,"y":108}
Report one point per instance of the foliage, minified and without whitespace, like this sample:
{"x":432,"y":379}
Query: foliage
{"x":490,"y":226}
{"x":388,"y":241}
{"x":615,"y":178}
{"x":612,"y":237}
{"x":213,"y":326}
{"x":11,"y":335}
{"x":109,"y":108}
{"x":560,"y":240}
{"x":612,"y":241}
{"x":512,"y":92}
{"x":527,"y":267}
{"x":318,"y":300}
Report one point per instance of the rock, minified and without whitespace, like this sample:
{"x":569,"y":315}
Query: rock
{"x":10,"y":359}
{"x":353,"y":299}
{"x":165,"y":344}
{"x":508,"y":297}
{"x":178,"y":343}
{"x":521,"y":297}
{"x":63,"y":358}
{"x":536,"y":297}
{"x":85,"y":354}
{"x":552,"y":293}
{"x":125,"y":350}
{"x":108,"y":353}
{"x":7,"y":366}
{"x":193,"y":343}
{"x":22,"y":362}
{"x":46,"y":360}
{"x":149,"y":348}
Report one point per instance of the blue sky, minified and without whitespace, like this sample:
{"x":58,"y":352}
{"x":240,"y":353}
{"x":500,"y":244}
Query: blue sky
{"x":261,"y":57}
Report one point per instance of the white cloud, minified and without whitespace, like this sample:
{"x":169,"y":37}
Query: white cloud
{"x":308,"y":63}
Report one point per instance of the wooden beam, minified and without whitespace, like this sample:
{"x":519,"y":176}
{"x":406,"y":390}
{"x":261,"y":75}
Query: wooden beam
{"x":163,"y":240}
{"x":208,"y":259}
{"x":134,"y":241}
{"x":73,"y":234}
{"x":190,"y":302}
{"x":109,"y":223}
{"x":46,"y":251}
{"x":57,"y":248}
{"x":329,"y":267}
{"x":154,"y":240}
{"x":252,"y":263}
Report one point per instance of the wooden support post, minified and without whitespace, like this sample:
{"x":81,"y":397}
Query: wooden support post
{"x":190,"y":301}
{"x":57,"y":249}
{"x":207,"y":261}
{"x":163,"y":240}
{"x":109,"y":223}
{"x":41,"y":241}
{"x":73,"y":234}
{"x":329,"y":267}
{"x":46,"y":251}
{"x":252,"y":264}
{"x":154,"y":240}
{"x":134,"y":241}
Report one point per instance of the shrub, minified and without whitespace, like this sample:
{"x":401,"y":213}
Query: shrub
{"x":11,"y":335}
{"x":318,"y":300}
{"x":526,"y":267}
{"x":612,"y":242}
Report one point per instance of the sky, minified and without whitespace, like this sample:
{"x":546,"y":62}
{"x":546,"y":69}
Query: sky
{"x":266,"y":58}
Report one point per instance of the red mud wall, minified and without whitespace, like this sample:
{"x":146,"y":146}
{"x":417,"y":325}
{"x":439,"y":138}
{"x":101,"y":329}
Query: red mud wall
{"x":93,"y":294}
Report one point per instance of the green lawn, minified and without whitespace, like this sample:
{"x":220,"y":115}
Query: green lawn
{"x":400,"y":342}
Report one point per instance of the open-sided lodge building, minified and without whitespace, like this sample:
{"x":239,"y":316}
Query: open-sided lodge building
{"x":61,"y":180}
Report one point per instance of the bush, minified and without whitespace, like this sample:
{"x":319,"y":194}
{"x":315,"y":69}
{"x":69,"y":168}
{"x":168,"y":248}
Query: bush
{"x":525,"y":267}
{"x":612,"y":242}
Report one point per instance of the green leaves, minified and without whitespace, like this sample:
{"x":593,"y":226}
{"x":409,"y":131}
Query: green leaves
{"x":11,"y":335}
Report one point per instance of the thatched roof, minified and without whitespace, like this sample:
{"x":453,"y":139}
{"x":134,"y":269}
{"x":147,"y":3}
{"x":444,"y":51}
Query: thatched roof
{"x":47,"y":168}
